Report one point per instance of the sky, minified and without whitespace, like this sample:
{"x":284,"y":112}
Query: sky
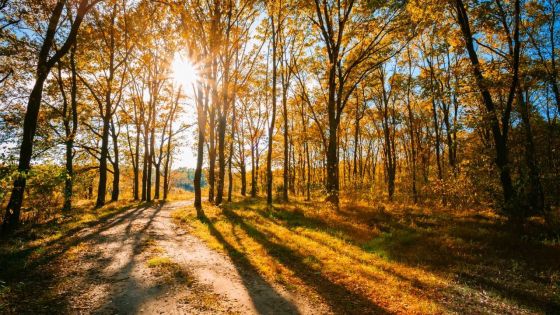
{"x":185,"y":157}
{"x":184,"y":75}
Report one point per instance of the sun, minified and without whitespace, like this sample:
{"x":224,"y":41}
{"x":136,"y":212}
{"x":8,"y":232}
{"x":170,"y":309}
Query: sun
{"x":184,"y":72}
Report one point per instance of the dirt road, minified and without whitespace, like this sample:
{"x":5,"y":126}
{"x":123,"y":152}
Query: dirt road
{"x":141,"y":262}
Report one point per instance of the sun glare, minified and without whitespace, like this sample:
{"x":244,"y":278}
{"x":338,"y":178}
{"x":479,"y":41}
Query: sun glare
{"x":184,"y":72}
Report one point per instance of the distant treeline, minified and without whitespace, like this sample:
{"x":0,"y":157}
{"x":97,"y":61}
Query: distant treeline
{"x":184,"y":177}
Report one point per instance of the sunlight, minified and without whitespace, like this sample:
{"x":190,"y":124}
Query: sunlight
{"x":183,"y":71}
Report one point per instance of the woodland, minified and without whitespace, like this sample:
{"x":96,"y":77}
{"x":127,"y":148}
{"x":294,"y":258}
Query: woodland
{"x":279,"y":157}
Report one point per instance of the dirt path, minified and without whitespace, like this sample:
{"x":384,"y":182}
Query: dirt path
{"x":111,"y":274}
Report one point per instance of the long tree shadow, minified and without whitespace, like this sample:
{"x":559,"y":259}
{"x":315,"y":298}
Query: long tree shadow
{"x":38,"y":272}
{"x":127,"y":294}
{"x":94,"y":231}
{"x":133,"y":295}
{"x":264,"y":297}
{"x":482,"y":243}
{"x":71,"y":237}
{"x":117,"y":297}
{"x":469,"y":247}
{"x":340,"y":299}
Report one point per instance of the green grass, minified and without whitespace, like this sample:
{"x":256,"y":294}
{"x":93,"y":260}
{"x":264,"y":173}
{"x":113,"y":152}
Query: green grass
{"x":159,"y":262}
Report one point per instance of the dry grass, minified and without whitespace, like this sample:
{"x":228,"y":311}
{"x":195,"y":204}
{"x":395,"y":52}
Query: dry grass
{"x":170,"y":271}
{"x":180,"y":194}
{"x":388,"y":258}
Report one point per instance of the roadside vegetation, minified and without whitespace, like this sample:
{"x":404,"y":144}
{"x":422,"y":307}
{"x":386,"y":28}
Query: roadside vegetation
{"x":388,"y":258}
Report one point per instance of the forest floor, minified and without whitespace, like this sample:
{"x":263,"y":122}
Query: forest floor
{"x":296,"y":258}
{"x":389,"y":258}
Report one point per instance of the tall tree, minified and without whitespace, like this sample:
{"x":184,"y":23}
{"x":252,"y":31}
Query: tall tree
{"x":112,"y":70}
{"x":499,"y":124}
{"x":47,"y":58}
{"x":274,"y":15}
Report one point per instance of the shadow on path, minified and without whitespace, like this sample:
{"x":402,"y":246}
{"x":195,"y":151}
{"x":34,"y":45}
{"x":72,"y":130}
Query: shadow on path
{"x":264,"y":297}
{"x":128,"y":296}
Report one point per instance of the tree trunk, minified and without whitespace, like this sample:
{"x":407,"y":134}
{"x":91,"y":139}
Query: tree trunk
{"x":536,"y":193}
{"x":253,"y":172}
{"x":499,"y":136}
{"x":157,"y":167}
{"x":332,"y":182}
{"x":292,"y":169}
{"x":332,"y":168}
{"x":116,"y":168}
{"x":230,"y":158}
{"x":435,"y":121}
{"x":12,"y":214}
{"x":221,"y":158}
{"x":166,"y":177}
{"x":102,"y":184}
{"x":411,"y":129}
{"x":150,"y":162}
{"x":145,"y":168}
{"x":273,"y":118}
{"x":69,"y":175}
{"x":167,"y":163}
{"x":44,"y":65}
{"x":199,"y":161}
{"x":308,"y":158}
{"x":107,"y":120}
{"x":165,"y":183}
{"x":243,"y":174}
{"x":116,"y":180}
{"x":136,"y":167}
{"x":286,"y":169}
{"x":149,"y":183}
{"x":201,"y":116}
{"x":212,"y":154}
{"x":71,"y":133}
{"x":413,"y":152}
{"x":230,"y":177}
{"x":357,"y":179}
{"x":553,"y":77}
{"x":389,"y":160}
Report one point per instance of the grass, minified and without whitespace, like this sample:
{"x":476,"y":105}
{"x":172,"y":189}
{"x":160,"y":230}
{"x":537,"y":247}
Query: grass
{"x":150,"y":245}
{"x":387,"y":259}
{"x":159,"y":262}
{"x":32,"y":256}
{"x":169,"y":271}
{"x":180,"y":194}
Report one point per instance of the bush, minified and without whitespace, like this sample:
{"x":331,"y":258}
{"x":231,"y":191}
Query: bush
{"x":44,"y":192}
{"x":6,"y":178}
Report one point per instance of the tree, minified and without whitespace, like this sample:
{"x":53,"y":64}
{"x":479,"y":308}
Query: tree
{"x":337,"y":24}
{"x":112,"y":71}
{"x":499,"y":124}
{"x":45,"y":63}
{"x":69,"y":116}
{"x":274,"y":15}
